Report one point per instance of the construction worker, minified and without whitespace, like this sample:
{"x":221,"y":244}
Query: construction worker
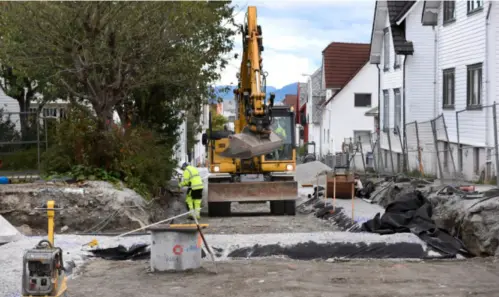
{"x":281,"y":132}
{"x":193,"y":181}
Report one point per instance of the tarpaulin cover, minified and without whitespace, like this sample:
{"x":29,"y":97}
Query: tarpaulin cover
{"x":412,"y":213}
{"x":134,"y":252}
{"x":351,"y":250}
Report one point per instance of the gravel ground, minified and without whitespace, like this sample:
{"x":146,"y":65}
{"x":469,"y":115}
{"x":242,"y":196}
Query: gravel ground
{"x":256,"y":219}
{"x":283,"y":278}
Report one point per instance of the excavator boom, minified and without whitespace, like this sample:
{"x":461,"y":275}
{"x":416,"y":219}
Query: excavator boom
{"x":253,"y":134}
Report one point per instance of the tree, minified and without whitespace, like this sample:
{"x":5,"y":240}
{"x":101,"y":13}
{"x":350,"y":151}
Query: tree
{"x":26,"y":90}
{"x":218,"y":122}
{"x":104,"y":51}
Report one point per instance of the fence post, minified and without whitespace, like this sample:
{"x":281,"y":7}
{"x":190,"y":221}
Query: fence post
{"x":435,"y":141}
{"x":37,"y":117}
{"x":373,"y":150}
{"x":420,"y":156}
{"x":362,"y":154}
{"x":448,"y":141}
{"x":390,"y":147}
{"x":459,"y":149}
{"x":496,"y":146}
{"x":402,"y":148}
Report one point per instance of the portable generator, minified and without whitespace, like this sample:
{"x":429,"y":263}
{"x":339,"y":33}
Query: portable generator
{"x":43,"y":266}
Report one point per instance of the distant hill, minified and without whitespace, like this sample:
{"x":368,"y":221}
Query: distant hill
{"x":279,"y":93}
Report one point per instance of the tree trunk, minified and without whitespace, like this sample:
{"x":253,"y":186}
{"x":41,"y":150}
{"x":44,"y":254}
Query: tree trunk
{"x":104,"y":117}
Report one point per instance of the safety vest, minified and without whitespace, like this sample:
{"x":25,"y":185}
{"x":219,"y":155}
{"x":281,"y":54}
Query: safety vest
{"x":192,"y":178}
{"x":281,"y":132}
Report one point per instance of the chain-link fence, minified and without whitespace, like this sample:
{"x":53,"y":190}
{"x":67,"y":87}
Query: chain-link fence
{"x":423,"y":148}
{"x":24,"y":137}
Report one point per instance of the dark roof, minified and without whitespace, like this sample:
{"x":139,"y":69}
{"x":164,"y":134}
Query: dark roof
{"x":291,"y":100}
{"x":342,"y":61}
{"x":396,"y":10}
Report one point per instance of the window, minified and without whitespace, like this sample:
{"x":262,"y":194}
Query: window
{"x":398,"y":109}
{"x":474,"y":5}
{"x":397,"y":61}
{"x":386,"y":49}
{"x":474,"y":85}
{"x":362,"y":100}
{"x":386,"y":110}
{"x":449,"y":11}
{"x":448,"y":92}
{"x":363,"y":136}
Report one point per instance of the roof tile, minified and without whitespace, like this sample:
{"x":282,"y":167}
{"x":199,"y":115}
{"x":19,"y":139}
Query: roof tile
{"x":342,"y":61}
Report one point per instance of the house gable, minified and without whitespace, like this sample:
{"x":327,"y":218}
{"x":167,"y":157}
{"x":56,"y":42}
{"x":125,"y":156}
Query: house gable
{"x":396,"y":11}
{"x":342,"y":61}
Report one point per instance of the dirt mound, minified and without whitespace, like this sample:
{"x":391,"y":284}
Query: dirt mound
{"x":89,"y":207}
{"x":306,"y":173}
{"x":473,"y":219}
{"x":8,"y":232}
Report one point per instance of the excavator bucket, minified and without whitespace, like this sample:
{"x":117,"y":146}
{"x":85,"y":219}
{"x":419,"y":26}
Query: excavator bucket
{"x":247,"y":145}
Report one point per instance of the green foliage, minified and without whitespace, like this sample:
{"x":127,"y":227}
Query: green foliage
{"x":218,"y":121}
{"x":83,"y":152}
{"x":103,"y":51}
{"x":7,"y":128}
{"x":148,"y":61}
{"x":25,"y":160}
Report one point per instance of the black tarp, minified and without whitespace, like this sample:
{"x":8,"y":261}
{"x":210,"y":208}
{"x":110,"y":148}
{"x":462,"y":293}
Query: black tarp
{"x":412,"y":213}
{"x":350,"y":250}
{"x":120,"y":252}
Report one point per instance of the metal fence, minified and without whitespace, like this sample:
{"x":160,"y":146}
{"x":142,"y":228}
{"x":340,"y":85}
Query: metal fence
{"x":24,"y":137}
{"x":459,"y":146}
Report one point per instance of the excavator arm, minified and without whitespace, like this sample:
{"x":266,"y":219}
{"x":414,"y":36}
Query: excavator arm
{"x":254,"y":136}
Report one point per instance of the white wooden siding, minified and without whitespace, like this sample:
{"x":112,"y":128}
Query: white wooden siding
{"x":419,"y":78}
{"x":10,"y":105}
{"x":462,"y":43}
{"x":390,"y":80}
{"x":343,"y":117}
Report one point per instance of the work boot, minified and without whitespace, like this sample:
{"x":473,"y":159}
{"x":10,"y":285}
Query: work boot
{"x":197,"y":207}
{"x":190,"y":206}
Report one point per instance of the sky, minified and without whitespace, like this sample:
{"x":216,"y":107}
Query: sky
{"x":295,"y":32}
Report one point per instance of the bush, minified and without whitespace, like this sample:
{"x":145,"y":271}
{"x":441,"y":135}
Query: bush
{"x":21,"y":160}
{"x":83,"y":152}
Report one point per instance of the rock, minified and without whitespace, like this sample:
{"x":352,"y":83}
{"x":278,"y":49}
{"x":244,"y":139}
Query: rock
{"x":25,"y":230}
{"x":474,"y":221}
{"x":93,"y":206}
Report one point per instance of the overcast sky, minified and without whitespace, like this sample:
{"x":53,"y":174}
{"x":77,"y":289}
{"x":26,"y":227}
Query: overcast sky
{"x":296,"y":31}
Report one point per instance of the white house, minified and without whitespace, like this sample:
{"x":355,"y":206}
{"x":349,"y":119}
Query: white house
{"x":350,"y":86}
{"x":10,"y":109}
{"x":432,"y":57}
{"x":316,"y":97}
{"x":467,"y":37}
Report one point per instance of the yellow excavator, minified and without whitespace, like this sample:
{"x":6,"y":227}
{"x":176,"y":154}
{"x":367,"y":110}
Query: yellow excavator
{"x":262,"y":145}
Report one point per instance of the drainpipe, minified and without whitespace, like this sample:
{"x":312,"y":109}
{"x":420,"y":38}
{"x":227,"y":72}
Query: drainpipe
{"x":435,"y":68}
{"x":487,"y":84}
{"x":435,"y":90}
{"x":404,"y":135}
{"x":378,"y":121}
